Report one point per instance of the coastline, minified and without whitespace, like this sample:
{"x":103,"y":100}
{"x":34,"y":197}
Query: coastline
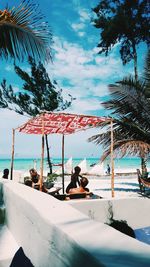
{"x":125,"y":180}
{"x":124,"y":165}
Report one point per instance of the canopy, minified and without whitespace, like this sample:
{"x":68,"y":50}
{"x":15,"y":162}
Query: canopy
{"x":62,"y":123}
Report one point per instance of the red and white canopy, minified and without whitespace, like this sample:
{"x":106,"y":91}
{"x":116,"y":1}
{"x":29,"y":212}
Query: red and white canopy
{"x":62,"y":123}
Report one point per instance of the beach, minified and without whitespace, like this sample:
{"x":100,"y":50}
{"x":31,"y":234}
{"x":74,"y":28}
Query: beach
{"x":125,"y":181}
{"x":125,"y":185}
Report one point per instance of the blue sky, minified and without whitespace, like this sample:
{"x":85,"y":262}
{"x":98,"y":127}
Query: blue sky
{"x":77,"y":68}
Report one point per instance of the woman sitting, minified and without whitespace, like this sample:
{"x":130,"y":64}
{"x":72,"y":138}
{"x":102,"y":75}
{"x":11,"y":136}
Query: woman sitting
{"x":82,"y":188}
{"x":74,"y":179}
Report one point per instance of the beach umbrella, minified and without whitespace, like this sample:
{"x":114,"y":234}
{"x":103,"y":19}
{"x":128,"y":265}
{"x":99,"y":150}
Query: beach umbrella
{"x":58,"y":123}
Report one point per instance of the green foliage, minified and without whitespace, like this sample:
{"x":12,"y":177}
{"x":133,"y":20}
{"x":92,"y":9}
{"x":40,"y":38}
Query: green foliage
{"x":124,"y":22}
{"x":26,"y":178}
{"x":52,"y":177}
{"x":130,"y":106}
{"x":38,"y":93}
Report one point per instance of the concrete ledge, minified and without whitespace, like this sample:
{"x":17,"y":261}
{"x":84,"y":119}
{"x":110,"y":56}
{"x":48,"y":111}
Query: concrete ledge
{"x":55,"y":234}
{"x":134,"y":210}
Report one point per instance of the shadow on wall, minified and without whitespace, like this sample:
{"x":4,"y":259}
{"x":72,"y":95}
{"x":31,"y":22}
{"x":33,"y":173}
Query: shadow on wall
{"x":123,"y":227}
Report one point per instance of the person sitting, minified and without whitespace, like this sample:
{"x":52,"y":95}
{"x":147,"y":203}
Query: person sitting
{"x":35,"y":178}
{"x":5,"y":173}
{"x":74,"y":179}
{"x":82,"y":188}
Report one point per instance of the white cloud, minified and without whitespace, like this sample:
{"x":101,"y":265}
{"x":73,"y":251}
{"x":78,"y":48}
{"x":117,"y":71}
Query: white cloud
{"x":84,"y":15}
{"x":84,"y":106}
{"x":9,"y":68}
{"x":83,"y":21}
{"x":77,"y":26}
{"x":81,"y":34}
{"x":84,"y":68}
{"x":83,"y":73}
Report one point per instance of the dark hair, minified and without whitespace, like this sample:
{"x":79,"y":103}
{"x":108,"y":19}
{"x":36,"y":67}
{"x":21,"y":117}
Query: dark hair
{"x":5,"y":173}
{"x":32,"y":170}
{"x":77,"y":169}
{"x":84,"y":181}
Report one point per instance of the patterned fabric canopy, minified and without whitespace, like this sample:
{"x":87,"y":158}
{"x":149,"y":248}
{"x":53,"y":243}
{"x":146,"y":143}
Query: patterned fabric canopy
{"x":62,"y":123}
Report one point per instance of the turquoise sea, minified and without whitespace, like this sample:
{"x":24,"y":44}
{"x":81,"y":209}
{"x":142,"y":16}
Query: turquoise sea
{"x":27,"y":163}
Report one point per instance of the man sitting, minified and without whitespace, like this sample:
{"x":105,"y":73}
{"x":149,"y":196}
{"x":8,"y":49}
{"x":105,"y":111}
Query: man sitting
{"x":35,"y":178}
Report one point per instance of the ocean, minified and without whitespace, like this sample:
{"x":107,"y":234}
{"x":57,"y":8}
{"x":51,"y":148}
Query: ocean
{"x":25,"y":164}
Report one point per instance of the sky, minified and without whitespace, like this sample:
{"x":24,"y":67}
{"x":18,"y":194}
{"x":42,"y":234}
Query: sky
{"x":78,"y":69}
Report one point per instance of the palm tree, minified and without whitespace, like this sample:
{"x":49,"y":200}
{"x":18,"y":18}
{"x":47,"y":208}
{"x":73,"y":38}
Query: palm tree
{"x":122,"y":22}
{"x":39,"y":93}
{"x":23,"y":33}
{"x":130,"y":106}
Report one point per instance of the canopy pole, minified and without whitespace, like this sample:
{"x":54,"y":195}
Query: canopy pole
{"x":12,"y":154}
{"x":63,"y":180}
{"x":112,"y":160}
{"x":42,"y":157}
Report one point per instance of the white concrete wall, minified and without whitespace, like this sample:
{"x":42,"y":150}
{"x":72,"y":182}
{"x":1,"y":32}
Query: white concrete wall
{"x":54,"y":234}
{"x":134,"y":210}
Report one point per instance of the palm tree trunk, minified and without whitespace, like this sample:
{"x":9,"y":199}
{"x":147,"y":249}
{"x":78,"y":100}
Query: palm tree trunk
{"x":135,"y":61}
{"x":48,"y":155}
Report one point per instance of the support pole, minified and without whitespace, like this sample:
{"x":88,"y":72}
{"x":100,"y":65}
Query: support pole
{"x":42,"y":157}
{"x":63,"y":180}
{"x":12,"y":155}
{"x":112,"y":160}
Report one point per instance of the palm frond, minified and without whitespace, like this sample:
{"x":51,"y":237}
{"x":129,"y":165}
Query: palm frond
{"x":128,"y":147}
{"x":130,"y":103}
{"x":24,"y":33}
{"x":129,"y":100}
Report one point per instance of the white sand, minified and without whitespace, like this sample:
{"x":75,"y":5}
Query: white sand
{"x":124,"y":185}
